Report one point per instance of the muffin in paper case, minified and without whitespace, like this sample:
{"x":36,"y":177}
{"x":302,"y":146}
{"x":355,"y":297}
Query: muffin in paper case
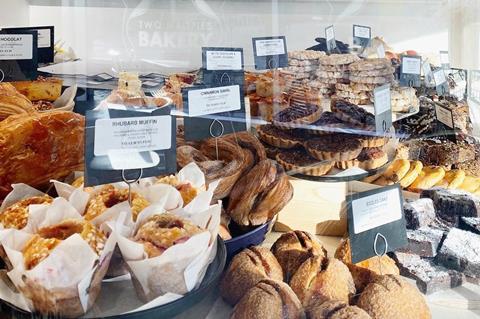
{"x":67,"y":282}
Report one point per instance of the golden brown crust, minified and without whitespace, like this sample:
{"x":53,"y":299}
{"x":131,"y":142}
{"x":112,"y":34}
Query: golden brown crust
{"x":250,"y":142}
{"x":305,"y":120}
{"x":320,"y":279}
{"x":390,"y":296}
{"x":281,"y":140}
{"x":37,"y":249}
{"x":269,"y":299}
{"x":293,"y":248}
{"x":16,"y":215}
{"x":367,"y":270}
{"x":335,"y":309}
{"x":161,"y":231}
{"x":318,"y":169}
{"x":38,"y":147}
{"x":334,"y":147}
{"x":246,"y":269}
{"x":110,"y":196}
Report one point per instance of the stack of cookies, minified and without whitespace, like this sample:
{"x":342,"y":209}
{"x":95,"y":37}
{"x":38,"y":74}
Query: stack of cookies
{"x":303,"y":64}
{"x":332,"y":69}
{"x":365,"y":76}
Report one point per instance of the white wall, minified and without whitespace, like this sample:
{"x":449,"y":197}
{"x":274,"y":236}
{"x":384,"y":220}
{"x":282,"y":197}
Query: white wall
{"x":169,"y":34}
{"x":14,"y":13}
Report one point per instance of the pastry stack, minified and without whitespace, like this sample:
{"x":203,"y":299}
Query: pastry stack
{"x":332,"y":69}
{"x":317,"y":149}
{"x":303,"y":64}
{"x":365,"y":76}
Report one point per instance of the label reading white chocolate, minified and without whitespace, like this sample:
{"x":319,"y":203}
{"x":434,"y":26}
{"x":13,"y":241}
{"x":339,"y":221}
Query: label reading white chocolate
{"x":44,"y":38}
{"x":16,"y":46}
{"x":214,"y":100}
{"x":411,"y":65}
{"x":361,"y":32}
{"x":270,"y":47}
{"x":444,"y":115}
{"x":376,"y":210}
{"x":146,"y":133}
{"x":439,"y":77}
{"x":224,"y":60}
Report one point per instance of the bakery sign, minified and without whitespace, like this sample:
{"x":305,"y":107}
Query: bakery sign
{"x":376,"y":223}
{"x":122,"y":145}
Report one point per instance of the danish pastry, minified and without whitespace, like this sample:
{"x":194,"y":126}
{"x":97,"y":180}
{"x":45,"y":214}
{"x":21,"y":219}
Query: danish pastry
{"x":110,"y":196}
{"x":186,"y":189}
{"x":16,"y":215}
{"x":161,"y":231}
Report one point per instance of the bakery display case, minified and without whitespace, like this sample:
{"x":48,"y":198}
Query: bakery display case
{"x":239,"y":159}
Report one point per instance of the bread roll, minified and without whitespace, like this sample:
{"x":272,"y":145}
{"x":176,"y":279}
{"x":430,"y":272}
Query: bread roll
{"x":293,"y":248}
{"x":335,"y":309}
{"x":269,"y":299}
{"x":38,"y":147}
{"x":320,"y":279}
{"x":246,"y":270}
{"x":367,"y":270}
{"x":392,"y":297}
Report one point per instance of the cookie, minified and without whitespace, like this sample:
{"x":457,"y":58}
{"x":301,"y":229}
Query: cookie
{"x":372,"y":79}
{"x":376,"y":72}
{"x":370,"y":64}
{"x":338,"y":59}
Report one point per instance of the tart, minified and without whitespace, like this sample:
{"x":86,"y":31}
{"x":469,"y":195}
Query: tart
{"x":326,"y":123}
{"x":301,"y":162}
{"x":369,"y":158}
{"x":352,"y":113}
{"x":298,"y":114}
{"x":372,"y":140}
{"x":280,"y":138}
{"x":334,"y":147}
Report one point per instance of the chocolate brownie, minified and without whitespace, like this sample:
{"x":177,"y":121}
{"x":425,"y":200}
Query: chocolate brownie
{"x":423,"y":242}
{"x":461,"y":251}
{"x":429,"y":277}
{"x":438,"y":152}
{"x":419,"y":213}
{"x":471,"y":224}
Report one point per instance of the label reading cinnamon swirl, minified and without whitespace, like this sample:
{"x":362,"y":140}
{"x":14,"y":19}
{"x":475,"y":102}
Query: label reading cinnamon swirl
{"x":213,"y":100}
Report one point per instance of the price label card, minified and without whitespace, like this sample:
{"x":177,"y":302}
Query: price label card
{"x":18,"y":55}
{"x":45,"y":42}
{"x":361,"y":35}
{"x":383,"y":108}
{"x":445,"y":60}
{"x":441,"y":82}
{"x":427,"y":73}
{"x":330,"y":38}
{"x":270,"y":52}
{"x":381,"y":51}
{"x":102,"y":77}
{"x":126,"y":141}
{"x":376,"y":224}
{"x":444,"y":115}
{"x":213,"y":109}
{"x":410,"y":70}
{"x":214,"y":59}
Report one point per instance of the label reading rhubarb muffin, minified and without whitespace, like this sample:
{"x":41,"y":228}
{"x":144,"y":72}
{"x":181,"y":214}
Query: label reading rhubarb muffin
{"x":376,"y":224}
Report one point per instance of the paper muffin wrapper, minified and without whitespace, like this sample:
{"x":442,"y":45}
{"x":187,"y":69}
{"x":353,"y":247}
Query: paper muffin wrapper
{"x":67,"y":282}
{"x":181,"y":267}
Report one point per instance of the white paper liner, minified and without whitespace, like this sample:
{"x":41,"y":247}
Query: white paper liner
{"x":70,"y":277}
{"x":181,"y":267}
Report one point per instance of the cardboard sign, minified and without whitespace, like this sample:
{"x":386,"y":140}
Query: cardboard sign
{"x":45,"y":43}
{"x":444,"y":116}
{"x":383,"y":108}
{"x":330,"y":38}
{"x":441,"y":82}
{"x":376,"y":224}
{"x":128,"y":140}
{"x":216,"y":108}
{"x":361,"y":35}
{"x":410,"y":70}
{"x":270,"y":52}
{"x":221,"y":59}
{"x":18,"y":56}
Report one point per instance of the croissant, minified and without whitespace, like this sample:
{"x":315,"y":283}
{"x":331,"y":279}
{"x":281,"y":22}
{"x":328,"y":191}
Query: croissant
{"x":12,"y":102}
{"x":38,"y":147}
